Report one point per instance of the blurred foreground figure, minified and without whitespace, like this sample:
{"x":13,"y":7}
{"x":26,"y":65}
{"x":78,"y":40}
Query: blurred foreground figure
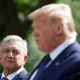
{"x":54,"y":32}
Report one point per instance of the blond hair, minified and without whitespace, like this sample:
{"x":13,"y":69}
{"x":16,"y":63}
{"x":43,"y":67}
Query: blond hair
{"x":57,"y":13}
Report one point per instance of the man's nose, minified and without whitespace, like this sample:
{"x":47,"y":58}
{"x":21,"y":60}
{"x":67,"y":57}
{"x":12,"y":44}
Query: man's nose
{"x":10,"y":54}
{"x":35,"y":33}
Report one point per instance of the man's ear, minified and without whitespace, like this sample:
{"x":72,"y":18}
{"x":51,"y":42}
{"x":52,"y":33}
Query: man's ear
{"x":25,"y":58}
{"x":60,"y":29}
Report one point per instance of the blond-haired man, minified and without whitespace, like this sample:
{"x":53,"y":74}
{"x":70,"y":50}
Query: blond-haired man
{"x":54,"y":32}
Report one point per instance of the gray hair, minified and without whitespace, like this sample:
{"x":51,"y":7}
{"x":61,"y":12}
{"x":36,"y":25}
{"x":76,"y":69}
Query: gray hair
{"x":15,"y":38}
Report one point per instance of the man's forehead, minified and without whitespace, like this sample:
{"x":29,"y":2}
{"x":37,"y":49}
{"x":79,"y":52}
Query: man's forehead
{"x":42,"y":17}
{"x":12,"y":42}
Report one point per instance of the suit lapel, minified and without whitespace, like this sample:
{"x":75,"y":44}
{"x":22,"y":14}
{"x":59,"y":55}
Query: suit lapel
{"x":21,"y":76}
{"x":36,"y":68}
{"x":64,"y":55}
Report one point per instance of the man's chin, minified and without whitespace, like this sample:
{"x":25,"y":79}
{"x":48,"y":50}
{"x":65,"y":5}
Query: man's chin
{"x":8,"y":67}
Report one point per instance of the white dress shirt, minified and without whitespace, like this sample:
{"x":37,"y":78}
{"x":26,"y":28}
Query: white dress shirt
{"x":11,"y":76}
{"x":56,"y":52}
{"x":60,"y":48}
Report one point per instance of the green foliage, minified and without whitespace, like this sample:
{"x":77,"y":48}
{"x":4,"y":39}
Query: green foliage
{"x":64,"y":1}
{"x":75,"y":6}
{"x":34,"y":54}
{"x":0,"y":68}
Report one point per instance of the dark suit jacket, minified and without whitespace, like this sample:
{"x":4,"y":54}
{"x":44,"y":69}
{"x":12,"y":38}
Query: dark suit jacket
{"x":21,"y":76}
{"x":65,"y":67}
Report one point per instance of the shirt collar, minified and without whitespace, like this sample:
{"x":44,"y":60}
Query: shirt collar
{"x":11,"y":76}
{"x":61,"y":47}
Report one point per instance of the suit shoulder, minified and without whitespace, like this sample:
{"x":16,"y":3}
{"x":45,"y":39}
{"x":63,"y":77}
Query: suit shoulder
{"x":23,"y":75}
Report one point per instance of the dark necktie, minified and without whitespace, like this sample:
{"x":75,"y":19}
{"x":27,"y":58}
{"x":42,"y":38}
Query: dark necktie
{"x":4,"y":78}
{"x":42,"y":67}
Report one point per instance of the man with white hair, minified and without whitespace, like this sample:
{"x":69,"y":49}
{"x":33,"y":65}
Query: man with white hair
{"x":54,"y":32}
{"x":13,"y":56}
